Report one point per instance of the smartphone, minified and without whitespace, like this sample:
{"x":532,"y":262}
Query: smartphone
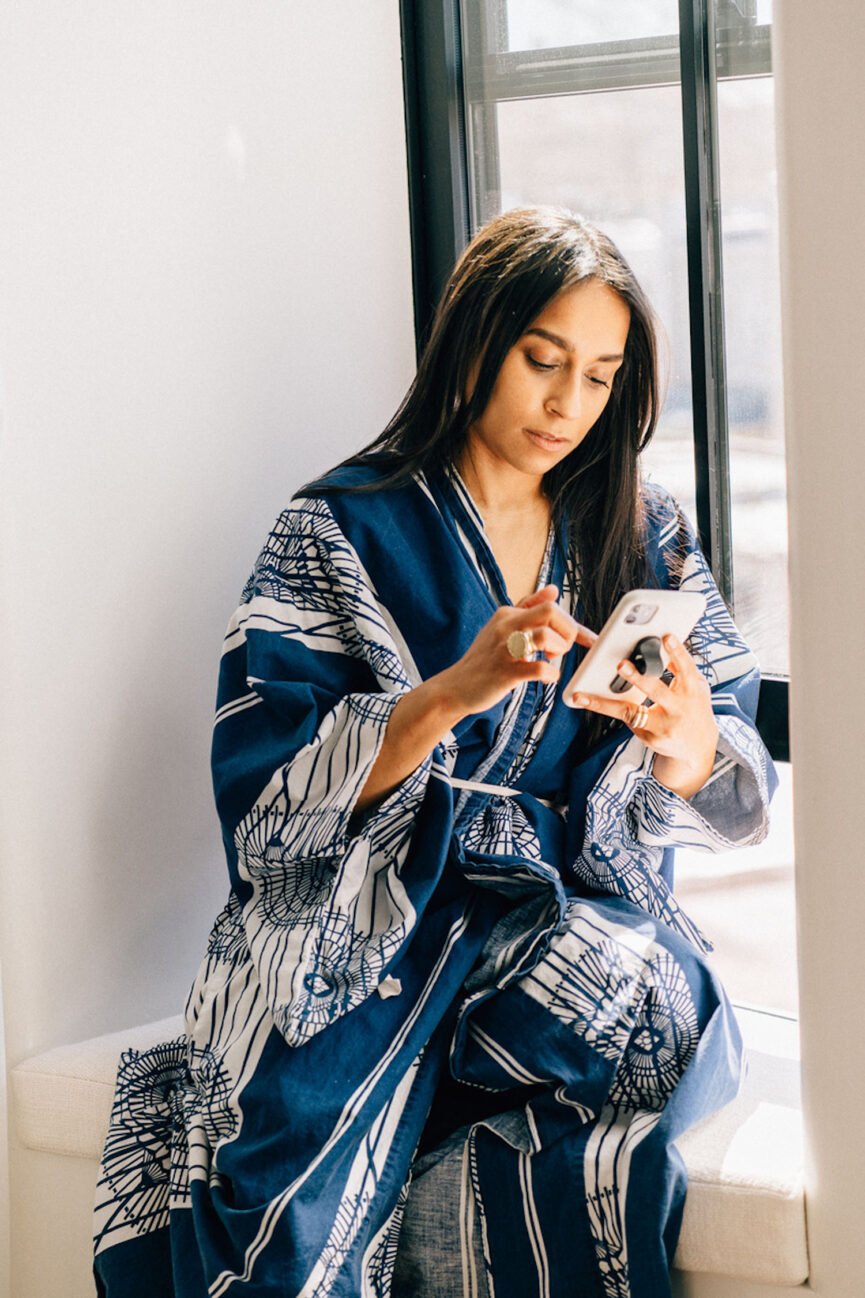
{"x":633,"y":631}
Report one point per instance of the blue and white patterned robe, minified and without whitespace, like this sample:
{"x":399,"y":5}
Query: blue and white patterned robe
{"x":523,"y":948}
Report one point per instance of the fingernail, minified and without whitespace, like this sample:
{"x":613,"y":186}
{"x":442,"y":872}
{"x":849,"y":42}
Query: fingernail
{"x":580,"y":700}
{"x":625,"y":669}
{"x":672,"y":642}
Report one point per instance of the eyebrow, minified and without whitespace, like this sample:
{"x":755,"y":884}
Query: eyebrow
{"x":569,"y":347}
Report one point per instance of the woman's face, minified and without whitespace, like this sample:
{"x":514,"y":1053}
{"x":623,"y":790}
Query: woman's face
{"x":555,"y":381}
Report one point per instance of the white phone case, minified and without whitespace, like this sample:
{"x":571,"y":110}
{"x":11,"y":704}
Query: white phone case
{"x":638,"y":615}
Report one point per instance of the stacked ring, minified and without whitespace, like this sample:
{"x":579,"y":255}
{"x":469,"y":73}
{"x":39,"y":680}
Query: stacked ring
{"x":639,"y":719}
{"x":521,"y":644}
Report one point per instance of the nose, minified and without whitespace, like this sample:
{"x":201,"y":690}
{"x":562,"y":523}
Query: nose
{"x":565,"y":399}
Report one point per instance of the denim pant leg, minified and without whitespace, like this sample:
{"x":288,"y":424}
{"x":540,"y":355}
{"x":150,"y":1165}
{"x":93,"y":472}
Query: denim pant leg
{"x":440,"y":1253}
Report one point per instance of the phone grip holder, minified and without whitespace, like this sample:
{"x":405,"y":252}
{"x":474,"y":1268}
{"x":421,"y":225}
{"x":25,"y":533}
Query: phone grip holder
{"x":646,"y":657}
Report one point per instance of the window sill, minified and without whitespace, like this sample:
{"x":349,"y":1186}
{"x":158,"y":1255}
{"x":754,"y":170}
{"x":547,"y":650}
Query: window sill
{"x":745,"y":1211}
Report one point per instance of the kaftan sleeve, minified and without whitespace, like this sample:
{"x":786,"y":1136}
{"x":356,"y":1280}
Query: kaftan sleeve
{"x":732,"y":808}
{"x":311,"y":670}
{"x":631,"y":821}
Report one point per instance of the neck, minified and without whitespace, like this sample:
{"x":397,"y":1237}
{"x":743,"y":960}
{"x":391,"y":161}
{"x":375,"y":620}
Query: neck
{"x":498,"y":488}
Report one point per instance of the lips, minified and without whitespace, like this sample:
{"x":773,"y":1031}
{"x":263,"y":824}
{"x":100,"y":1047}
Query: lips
{"x":545,"y":440}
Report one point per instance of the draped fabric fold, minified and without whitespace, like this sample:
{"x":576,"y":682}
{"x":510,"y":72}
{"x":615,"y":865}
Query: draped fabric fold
{"x":498,"y":995}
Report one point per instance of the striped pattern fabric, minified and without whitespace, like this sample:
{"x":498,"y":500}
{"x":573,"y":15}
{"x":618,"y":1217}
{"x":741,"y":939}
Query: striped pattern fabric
{"x":443,"y":1046}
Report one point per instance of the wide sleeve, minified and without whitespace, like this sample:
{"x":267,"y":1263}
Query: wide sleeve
{"x":631,"y":820}
{"x":312,"y":667}
{"x":732,"y":808}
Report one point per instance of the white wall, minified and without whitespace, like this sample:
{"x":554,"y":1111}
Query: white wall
{"x":205,"y":298}
{"x":820,"y":55}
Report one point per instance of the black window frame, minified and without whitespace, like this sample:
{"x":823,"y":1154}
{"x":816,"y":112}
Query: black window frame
{"x":717,"y":39}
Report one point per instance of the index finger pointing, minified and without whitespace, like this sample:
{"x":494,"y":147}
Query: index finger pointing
{"x":545,"y":594}
{"x":548,"y":613}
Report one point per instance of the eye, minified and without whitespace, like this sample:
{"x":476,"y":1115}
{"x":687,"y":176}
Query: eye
{"x":598,"y":382}
{"x":539,"y":365}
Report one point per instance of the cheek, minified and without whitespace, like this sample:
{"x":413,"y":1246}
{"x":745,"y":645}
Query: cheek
{"x":504,"y":398}
{"x":591,"y":413}
{"x":524,"y":392}
{"x":516,"y":396}
{"x":602,"y":400}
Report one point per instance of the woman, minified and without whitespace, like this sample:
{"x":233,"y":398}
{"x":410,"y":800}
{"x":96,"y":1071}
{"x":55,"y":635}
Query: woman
{"x":451,"y":952}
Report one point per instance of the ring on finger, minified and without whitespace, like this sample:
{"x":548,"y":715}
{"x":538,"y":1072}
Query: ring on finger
{"x":521,"y":645}
{"x":639,"y":718}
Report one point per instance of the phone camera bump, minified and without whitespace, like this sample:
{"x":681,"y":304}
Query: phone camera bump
{"x":639,"y":614}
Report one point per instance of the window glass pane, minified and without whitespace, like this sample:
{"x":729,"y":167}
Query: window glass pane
{"x":558,"y":150}
{"x":542,"y":24}
{"x":742,"y":37}
{"x":616,"y":156}
{"x":754,"y":382}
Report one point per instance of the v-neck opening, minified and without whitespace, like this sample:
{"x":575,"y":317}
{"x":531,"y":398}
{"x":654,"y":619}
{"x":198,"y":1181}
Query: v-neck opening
{"x":483,"y":548}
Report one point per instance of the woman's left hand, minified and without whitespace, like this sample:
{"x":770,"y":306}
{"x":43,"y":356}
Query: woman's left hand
{"x":679,"y":727}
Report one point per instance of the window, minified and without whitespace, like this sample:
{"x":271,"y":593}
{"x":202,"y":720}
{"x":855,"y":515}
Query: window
{"x":654,"y":118}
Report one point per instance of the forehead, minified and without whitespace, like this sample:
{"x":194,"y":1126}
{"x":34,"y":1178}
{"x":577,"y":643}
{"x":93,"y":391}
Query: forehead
{"x":590,"y":317}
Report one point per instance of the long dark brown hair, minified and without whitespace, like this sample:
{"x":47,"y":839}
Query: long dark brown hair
{"x":511,"y":270}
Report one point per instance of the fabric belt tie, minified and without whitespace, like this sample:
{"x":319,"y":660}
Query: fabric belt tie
{"x":497,"y":790}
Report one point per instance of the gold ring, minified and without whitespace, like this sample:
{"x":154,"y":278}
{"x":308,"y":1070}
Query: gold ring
{"x":521,"y":644}
{"x":640,"y":717}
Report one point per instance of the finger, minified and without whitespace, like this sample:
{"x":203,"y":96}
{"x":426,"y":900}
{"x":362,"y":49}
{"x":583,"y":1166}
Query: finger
{"x":541,"y":639}
{"x":549,"y":613}
{"x":684,"y":670}
{"x":538,"y":669}
{"x":628,"y":712}
{"x":549,"y":642}
{"x":652,"y":686}
{"x":549,"y":595}
{"x":549,"y":592}
{"x":681,"y":662}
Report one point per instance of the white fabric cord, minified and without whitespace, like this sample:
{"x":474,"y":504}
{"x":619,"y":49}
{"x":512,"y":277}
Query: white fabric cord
{"x":499,"y":790}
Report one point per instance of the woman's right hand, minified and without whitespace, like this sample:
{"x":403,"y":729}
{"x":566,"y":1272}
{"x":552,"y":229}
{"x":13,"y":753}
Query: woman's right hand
{"x":477,"y":681}
{"x":487,"y":672}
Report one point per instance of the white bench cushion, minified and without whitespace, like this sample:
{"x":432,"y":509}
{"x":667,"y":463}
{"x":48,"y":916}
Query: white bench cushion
{"x":62,"y":1098}
{"x":745,"y":1210}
